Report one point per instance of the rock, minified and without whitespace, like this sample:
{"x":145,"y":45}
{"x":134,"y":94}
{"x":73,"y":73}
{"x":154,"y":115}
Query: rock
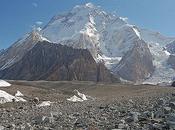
{"x":161,"y":101}
{"x":39,"y":120}
{"x":129,"y":119}
{"x":28,"y":127}
{"x":167,"y":110}
{"x":172,"y":105}
{"x":36,"y":100}
{"x":136,"y":64}
{"x":135,"y":116}
{"x":2,"y":127}
{"x":80,"y":123}
{"x":158,"y":114}
{"x":170,"y":119}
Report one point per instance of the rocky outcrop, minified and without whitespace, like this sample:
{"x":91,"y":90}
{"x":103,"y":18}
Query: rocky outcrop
{"x":136,"y":64}
{"x":48,"y":61}
{"x":15,"y":52}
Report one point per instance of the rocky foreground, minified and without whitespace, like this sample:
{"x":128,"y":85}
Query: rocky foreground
{"x":144,"y":108}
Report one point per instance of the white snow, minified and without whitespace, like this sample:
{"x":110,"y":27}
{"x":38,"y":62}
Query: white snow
{"x":109,"y":61}
{"x":45,"y":103}
{"x":19,"y":94}
{"x":75,"y":99}
{"x":4,"y":83}
{"x":44,"y":39}
{"x":124,"y":19}
{"x":90,"y":5}
{"x":137,"y":32}
{"x":167,"y":53}
{"x":81,"y":95}
{"x":5,"y":97}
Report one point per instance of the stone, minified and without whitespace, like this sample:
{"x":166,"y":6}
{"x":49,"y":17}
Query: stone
{"x":80,"y":123}
{"x":2,"y":127}
{"x":172,"y":105}
{"x":167,"y":110}
{"x":161,"y":101}
{"x":170,"y":119}
{"x":36,"y":100}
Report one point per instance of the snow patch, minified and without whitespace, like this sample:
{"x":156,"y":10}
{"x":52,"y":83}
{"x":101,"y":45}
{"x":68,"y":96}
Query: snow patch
{"x":90,"y":5}
{"x":44,"y":39}
{"x":125,"y":19}
{"x":4,"y":83}
{"x":137,"y":32}
{"x":79,"y":97}
{"x":108,"y":61}
{"x":75,"y":99}
{"x":167,"y":53}
{"x":19,"y":94}
{"x":45,"y":103}
{"x":5,"y":97}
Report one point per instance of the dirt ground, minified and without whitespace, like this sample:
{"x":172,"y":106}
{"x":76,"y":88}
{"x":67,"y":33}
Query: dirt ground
{"x":60,"y":90}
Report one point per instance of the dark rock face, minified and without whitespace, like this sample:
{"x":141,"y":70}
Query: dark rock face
{"x":136,"y":64}
{"x":15,"y":52}
{"x":46,"y":61}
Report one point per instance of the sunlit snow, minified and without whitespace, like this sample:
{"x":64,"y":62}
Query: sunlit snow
{"x":4,"y":83}
{"x":5,"y":97}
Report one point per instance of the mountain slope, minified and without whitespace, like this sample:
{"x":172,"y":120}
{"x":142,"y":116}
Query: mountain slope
{"x":14,"y":53}
{"x":155,"y":37}
{"x":48,"y":61}
{"x":137,"y":64}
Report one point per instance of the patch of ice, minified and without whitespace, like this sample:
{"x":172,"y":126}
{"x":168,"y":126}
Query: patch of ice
{"x":4,"y":83}
{"x":45,"y":103}
{"x":167,"y":53}
{"x":19,"y":94}
{"x":75,"y":99}
{"x":81,"y":95}
{"x":5,"y":97}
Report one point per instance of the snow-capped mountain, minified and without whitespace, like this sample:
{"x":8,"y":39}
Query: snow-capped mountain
{"x":122,"y":47}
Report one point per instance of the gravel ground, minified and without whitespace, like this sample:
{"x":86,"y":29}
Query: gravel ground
{"x":113,"y":107}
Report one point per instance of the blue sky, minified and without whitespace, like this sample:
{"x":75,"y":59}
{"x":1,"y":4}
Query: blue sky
{"x":18,"y":16}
